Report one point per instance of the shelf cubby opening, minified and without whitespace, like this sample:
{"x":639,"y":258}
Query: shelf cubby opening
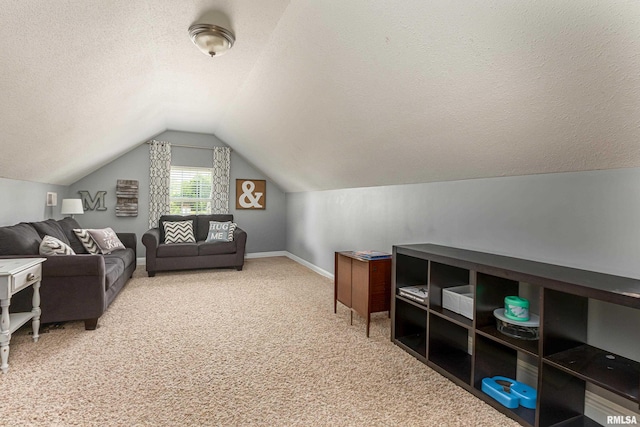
{"x":448,"y":346}
{"x":579,"y":421}
{"x":410,"y":271}
{"x":490,"y":294}
{"x":443,"y":276}
{"x":527,"y":346}
{"x":565,"y":321}
{"x":602,"y":368}
{"x":494,"y":359}
{"x":561,"y":398}
{"x":411,"y":327}
{"x":454,"y":317}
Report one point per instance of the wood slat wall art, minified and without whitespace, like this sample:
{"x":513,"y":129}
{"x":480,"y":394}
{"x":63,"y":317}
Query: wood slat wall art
{"x":127,"y":197}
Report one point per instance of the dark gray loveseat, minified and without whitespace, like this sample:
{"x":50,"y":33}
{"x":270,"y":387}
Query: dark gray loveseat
{"x":73,"y":287}
{"x":163,"y":256}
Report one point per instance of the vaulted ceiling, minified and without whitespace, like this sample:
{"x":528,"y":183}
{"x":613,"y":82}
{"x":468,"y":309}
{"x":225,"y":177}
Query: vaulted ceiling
{"x":325,"y":94}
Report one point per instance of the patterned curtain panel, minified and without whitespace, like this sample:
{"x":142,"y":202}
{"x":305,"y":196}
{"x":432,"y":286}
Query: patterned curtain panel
{"x":221,"y":165}
{"x":159,"y":174}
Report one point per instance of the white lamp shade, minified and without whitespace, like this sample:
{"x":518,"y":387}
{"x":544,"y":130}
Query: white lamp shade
{"x":71,"y":207}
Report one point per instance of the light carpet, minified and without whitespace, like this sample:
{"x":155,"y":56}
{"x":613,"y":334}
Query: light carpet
{"x":258,"y":347}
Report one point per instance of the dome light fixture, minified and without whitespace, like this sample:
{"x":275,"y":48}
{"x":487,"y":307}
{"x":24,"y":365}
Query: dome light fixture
{"x":212,"y":40}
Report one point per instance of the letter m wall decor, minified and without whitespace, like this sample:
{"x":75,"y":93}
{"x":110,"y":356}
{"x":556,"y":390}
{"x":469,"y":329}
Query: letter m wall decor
{"x":90,"y":203}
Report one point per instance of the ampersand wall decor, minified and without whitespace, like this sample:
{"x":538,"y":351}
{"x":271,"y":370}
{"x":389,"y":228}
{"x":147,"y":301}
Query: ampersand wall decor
{"x":251,"y":194}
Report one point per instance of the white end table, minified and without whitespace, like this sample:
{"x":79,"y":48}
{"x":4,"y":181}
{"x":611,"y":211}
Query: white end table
{"x":15,"y":275}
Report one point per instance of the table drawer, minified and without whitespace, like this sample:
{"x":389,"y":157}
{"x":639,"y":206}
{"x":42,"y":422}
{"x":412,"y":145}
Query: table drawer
{"x":26,"y":278}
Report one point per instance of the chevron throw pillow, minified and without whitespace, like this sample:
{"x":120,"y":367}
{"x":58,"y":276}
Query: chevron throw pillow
{"x":178,"y":232}
{"x":87,"y":241}
{"x":52,"y":246}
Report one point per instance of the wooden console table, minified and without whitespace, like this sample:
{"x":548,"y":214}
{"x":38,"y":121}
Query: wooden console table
{"x":17,"y":274}
{"x":362,"y":285}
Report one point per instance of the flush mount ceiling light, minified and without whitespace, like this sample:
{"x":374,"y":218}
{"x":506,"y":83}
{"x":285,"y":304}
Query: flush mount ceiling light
{"x":211,"y":39}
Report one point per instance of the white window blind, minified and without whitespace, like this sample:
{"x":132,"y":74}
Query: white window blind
{"x":190,"y":190}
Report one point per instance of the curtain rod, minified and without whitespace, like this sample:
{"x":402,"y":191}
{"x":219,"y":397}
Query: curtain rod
{"x":190,"y":146}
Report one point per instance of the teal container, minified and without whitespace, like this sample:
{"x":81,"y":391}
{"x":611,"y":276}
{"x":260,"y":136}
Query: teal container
{"x":516,"y":308}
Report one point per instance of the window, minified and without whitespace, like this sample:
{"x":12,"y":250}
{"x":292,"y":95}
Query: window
{"x":190,"y":190}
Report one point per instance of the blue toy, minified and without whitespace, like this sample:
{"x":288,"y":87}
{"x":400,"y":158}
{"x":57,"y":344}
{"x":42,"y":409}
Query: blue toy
{"x":510,"y":393}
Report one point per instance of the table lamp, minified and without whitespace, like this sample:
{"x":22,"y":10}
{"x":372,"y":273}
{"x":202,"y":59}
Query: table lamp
{"x":71,"y":207}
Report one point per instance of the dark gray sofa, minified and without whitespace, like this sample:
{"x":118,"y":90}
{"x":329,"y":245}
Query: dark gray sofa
{"x":73,"y":287}
{"x":186,"y":256}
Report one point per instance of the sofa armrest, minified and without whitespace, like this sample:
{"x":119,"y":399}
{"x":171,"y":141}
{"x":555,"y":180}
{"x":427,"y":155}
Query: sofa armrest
{"x":73,"y":265}
{"x":151,"y":239}
{"x":240,"y":236}
{"x":68,"y":265}
{"x":129,"y":241}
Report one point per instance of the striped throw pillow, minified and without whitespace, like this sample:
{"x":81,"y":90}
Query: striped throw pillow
{"x":178,"y":232}
{"x":87,"y":241}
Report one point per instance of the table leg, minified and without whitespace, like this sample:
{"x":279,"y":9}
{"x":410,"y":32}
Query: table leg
{"x":35,"y":323}
{"x":5,"y":335}
{"x":368,"y":322}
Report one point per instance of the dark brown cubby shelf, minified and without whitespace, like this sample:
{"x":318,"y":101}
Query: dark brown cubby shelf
{"x":527,"y":346}
{"x":412,"y":302}
{"x":453,"y":317}
{"x":566,"y":363}
{"x":579,"y":421}
{"x":416,"y":343}
{"x":448,"y":345}
{"x":602,"y":368}
{"x":411,"y":326}
{"x":492,"y":358}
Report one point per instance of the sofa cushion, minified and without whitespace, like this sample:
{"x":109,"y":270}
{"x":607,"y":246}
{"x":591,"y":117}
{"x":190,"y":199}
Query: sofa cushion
{"x":177,"y":250}
{"x":87,"y":241}
{"x":51,"y":228}
{"x":113,"y":269}
{"x":216,"y":248}
{"x":202,"y":224}
{"x":164,"y":218}
{"x":68,"y":224}
{"x":179,"y":232}
{"x":52,"y":246}
{"x":126,"y":257}
{"x":19,"y":239}
{"x":106,"y":240}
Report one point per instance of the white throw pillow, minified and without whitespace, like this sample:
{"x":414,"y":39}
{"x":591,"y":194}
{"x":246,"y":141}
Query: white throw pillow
{"x":52,"y":246}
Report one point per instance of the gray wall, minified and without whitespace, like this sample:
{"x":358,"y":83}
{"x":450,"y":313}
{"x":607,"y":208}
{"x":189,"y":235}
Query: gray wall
{"x":265,"y":228}
{"x":587,"y":220}
{"x":24,"y":201}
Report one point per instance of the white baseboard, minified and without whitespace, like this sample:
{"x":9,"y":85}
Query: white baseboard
{"x":141,"y":261}
{"x":265,"y":254}
{"x":310,"y":266}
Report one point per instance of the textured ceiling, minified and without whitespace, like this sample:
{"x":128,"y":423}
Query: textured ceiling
{"x":324,"y":94}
